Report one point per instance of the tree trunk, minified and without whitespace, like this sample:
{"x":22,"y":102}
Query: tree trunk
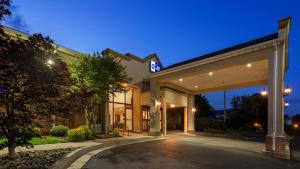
{"x":11,"y":151}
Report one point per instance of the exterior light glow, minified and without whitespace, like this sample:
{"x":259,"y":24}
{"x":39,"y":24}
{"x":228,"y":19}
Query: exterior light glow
{"x":256,"y":124}
{"x":287,"y":91}
{"x":180,"y":80}
{"x":296,"y":126}
{"x":210,"y":73}
{"x":158,"y":103}
{"x":50,"y":62}
{"x":249,"y":65}
{"x":172,"y":105}
{"x":125,"y":85}
{"x":264,"y":92}
{"x":286,"y":104}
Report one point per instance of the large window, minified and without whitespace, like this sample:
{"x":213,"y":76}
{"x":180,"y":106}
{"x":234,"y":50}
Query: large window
{"x":120,"y":110}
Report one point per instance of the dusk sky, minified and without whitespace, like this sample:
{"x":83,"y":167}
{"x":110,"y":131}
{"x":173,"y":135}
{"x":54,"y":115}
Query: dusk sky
{"x":175,"y":30}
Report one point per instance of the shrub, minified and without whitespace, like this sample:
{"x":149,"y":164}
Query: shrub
{"x":77,"y":134}
{"x":36,"y":131}
{"x":59,"y":130}
{"x":87,"y":131}
{"x":201,"y":124}
{"x":115,"y":133}
{"x":211,"y":130}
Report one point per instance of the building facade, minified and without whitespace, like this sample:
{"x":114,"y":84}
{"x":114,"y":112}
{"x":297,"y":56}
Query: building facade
{"x":156,"y":91}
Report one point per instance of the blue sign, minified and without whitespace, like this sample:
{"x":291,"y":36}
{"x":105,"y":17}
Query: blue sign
{"x":154,"y":66}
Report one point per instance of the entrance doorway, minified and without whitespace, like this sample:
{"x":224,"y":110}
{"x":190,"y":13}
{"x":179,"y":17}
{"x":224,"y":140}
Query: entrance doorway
{"x":175,"y":118}
{"x":146,"y":118}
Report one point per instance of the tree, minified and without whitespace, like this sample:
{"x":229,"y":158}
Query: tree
{"x":203,"y":107}
{"x":96,"y":77}
{"x":31,"y":86}
{"x":296,"y":119}
{"x":247,"y":110}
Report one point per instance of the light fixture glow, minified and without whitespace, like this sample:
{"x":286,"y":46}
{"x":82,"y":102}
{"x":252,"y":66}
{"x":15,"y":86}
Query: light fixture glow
{"x":180,"y":80}
{"x":264,"y":92}
{"x":50,"y":62}
{"x":158,"y":103}
{"x":287,"y":91}
{"x":194,"y":109}
{"x":195,"y":86}
{"x":296,"y":125}
{"x":172,"y":105}
{"x":210,"y":73}
{"x":249,"y":65}
{"x":125,"y":85}
{"x":286,"y":104}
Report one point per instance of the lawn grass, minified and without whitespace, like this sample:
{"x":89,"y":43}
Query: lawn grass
{"x":44,"y":140}
{"x":47,"y":140}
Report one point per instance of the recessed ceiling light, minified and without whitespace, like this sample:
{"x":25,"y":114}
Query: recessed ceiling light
{"x":249,"y":65}
{"x":180,"y":80}
{"x":210,"y":73}
{"x":195,"y":86}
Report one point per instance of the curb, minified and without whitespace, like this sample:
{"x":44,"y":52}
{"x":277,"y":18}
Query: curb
{"x":71,"y":158}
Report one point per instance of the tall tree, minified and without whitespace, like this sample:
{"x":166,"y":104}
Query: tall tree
{"x":203,"y":107}
{"x":247,"y":110}
{"x":31,"y":85}
{"x":97,"y":77}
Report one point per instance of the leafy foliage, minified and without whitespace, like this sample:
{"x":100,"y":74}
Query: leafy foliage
{"x":59,"y":130}
{"x":95,"y":77}
{"x":77,"y":134}
{"x":30,"y":88}
{"x":247,"y":110}
{"x":203,"y":107}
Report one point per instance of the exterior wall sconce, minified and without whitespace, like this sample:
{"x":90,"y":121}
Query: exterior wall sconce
{"x":287,"y":91}
{"x":264,"y":92}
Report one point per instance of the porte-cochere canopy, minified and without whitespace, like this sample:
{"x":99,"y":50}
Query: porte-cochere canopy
{"x":262,"y":61}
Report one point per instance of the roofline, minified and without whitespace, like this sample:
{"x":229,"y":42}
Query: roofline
{"x":226,"y":50}
{"x":61,"y":48}
{"x":129,"y":56}
{"x":216,"y":57}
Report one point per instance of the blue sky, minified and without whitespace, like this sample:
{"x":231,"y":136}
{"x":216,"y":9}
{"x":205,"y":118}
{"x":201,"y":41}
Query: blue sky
{"x":175,"y":30}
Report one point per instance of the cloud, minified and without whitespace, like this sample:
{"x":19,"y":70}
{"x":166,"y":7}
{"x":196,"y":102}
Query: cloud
{"x":16,"y":21}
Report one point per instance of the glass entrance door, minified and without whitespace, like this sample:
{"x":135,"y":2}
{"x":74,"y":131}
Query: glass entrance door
{"x":145,"y":118}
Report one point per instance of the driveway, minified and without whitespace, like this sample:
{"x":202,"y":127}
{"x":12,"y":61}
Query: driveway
{"x":180,"y":151}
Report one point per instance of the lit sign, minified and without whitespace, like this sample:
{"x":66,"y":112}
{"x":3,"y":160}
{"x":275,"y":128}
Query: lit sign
{"x":154,"y":66}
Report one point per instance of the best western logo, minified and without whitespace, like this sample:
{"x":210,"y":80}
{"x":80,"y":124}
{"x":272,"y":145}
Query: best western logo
{"x":154,"y":66}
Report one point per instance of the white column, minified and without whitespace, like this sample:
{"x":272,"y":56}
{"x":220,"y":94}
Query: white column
{"x":185,"y":120}
{"x":154,"y":108}
{"x":164,"y":118}
{"x":191,"y":114}
{"x":276,"y":140}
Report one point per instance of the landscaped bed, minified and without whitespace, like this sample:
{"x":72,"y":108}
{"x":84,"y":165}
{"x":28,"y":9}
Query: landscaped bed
{"x":34,"y":160}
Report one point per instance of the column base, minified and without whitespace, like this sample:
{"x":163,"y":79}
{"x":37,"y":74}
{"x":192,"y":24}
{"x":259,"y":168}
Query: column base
{"x":154,"y":133}
{"x":191,"y":131}
{"x":282,"y":149}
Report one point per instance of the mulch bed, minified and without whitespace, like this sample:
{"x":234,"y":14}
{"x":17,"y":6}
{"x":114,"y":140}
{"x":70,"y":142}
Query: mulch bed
{"x":42,"y":159}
